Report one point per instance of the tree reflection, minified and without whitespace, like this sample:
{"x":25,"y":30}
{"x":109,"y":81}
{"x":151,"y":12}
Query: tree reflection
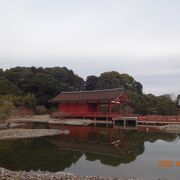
{"x":37,"y":154}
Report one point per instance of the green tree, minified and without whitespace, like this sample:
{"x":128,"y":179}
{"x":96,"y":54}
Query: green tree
{"x":7,"y":87}
{"x":21,"y":76}
{"x":44,"y":86}
{"x":165,"y":105}
{"x":91,"y":83}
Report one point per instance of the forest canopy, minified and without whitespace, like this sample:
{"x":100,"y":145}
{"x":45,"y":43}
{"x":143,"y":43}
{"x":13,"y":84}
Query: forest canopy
{"x":44,"y":83}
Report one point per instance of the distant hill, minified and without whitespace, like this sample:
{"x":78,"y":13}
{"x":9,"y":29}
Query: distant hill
{"x":45,"y":83}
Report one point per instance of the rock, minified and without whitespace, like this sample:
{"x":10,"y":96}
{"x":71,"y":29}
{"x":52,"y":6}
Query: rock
{"x":4,"y":126}
{"x":10,"y":134}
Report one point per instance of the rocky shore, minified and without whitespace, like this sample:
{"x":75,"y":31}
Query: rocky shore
{"x":4,"y":126}
{"x":10,"y":134}
{"x":48,"y":119}
{"x":171,"y":128}
{"x":40,"y":175}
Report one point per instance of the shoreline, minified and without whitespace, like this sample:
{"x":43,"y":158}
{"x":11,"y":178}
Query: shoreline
{"x":13,"y":134}
{"x":45,"y":175}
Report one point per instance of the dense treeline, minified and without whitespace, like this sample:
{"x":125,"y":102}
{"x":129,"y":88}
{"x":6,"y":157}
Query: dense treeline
{"x":44,"y":83}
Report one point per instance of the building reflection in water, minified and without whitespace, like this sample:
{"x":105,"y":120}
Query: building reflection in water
{"x":109,"y":145}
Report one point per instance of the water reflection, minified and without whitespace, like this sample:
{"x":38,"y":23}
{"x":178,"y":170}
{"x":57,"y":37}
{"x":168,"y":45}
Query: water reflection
{"x":110,"y":146}
{"x":35,"y":154}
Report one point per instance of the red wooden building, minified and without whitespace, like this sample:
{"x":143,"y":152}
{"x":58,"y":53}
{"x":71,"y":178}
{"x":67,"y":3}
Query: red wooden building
{"x":99,"y":104}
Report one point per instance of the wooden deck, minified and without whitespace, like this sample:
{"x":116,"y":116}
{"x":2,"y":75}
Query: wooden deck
{"x":92,"y":115}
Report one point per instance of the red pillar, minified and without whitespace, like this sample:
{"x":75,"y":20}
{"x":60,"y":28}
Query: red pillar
{"x":98,"y":107}
{"x":120,"y":108}
{"x":109,"y":108}
{"x":117,"y":108}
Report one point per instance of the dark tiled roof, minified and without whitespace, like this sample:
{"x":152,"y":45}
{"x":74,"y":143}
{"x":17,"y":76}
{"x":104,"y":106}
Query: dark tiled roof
{"x":96,"y":95}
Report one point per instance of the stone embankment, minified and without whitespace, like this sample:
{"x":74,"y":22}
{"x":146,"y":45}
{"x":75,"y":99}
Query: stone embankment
{"x":48,"y":119}
{"x":174,"y":128}
{"x":39,"y":175}
{"x":10,"y":134}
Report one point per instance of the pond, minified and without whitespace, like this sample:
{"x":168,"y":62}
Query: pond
{"x":97,"y":151}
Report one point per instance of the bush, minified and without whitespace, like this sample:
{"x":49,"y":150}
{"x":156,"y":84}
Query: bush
{"x":41,"y":109}
{"x":9,"y":103}
{"x":29,"y":101}
{"x":6,"y":109}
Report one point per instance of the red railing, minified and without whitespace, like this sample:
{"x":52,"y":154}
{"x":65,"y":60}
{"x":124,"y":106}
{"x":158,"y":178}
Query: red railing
{"x":159,"y":118}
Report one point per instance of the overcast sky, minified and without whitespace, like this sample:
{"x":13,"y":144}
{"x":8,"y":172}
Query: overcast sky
{"x":138,"y":37}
